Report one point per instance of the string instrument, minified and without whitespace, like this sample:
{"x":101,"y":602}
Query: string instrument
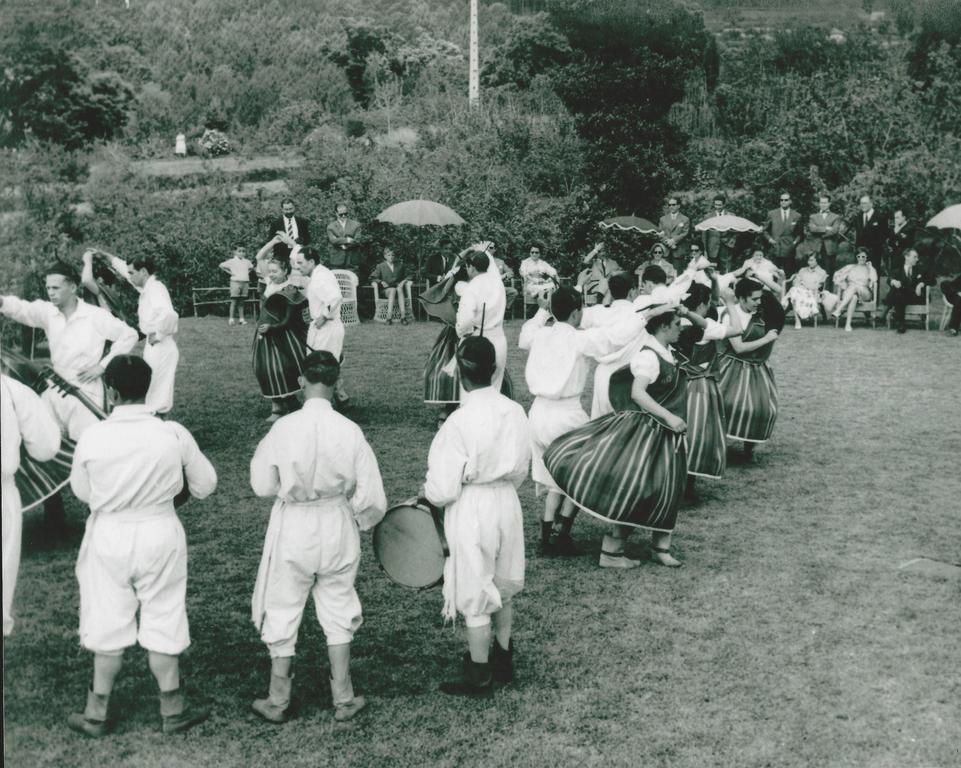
{"x":111,"y":294}
{"x":42,"y":377}
{"x":287,"y":308}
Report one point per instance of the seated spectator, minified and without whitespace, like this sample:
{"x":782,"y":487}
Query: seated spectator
{"x":539,"y":276}
{"x":807,"y":292}
{"x":907,"y":287}
{"x":392,"y":278}
{"x":658,"y":254}
{"x":855,"y":282}
{"x":951,"y":289}
{"x":592,"y":281}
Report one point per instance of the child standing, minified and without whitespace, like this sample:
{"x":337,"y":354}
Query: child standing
{"x":238,"y":266}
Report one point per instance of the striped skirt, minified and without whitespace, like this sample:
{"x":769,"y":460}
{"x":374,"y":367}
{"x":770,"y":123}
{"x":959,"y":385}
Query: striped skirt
{"x":441,"y":388}
{"x":625,"y":468}
{"x":750,"y":399}
{"x":277,"y":362}
{"x":37,"y":481}
{"x":706,"y":447}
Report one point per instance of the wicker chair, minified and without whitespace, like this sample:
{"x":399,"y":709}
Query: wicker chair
{"x":347,"y":281}
{"x":403,"y":306}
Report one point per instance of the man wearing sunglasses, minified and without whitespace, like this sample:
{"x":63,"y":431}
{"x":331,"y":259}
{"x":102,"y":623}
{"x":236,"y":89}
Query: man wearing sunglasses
{"x":783,"y":230}
{"x":343,"y":235}
{"x":675,"y":233}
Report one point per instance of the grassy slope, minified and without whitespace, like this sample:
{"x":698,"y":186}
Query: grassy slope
{"x":789,"y":638}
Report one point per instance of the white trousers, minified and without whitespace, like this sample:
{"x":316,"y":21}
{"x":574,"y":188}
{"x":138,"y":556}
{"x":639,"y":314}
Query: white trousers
{"x":12,"y":525}
{"x":549,"y":419}
{"x":72,"y":416}
{"x":310,"y":549}
{"x":129,"y":561}
{"x":485,"y":534}
{"x":329,"y":337}
{"x":162,"y":358}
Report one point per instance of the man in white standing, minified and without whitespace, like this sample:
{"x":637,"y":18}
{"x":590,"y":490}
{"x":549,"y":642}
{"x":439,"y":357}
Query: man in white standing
{"x":326,"y":484}
{"x":158,"y":321}
{"x":133,"y":557}
{"x":482,"y":307}
{"x":24,"y":421}
{"x":326,"y":330}
{"x":77,"y":333}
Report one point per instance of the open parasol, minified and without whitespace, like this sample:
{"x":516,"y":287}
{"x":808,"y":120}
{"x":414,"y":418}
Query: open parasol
{"x":949,"y":218}
{"x":727,"y":223}
{"x":420,"y":213}
{"x":630,"y":223}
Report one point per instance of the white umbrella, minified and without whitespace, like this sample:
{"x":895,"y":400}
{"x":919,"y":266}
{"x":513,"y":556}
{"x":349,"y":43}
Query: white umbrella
{"x":949,"y":218}
{"x":420,"y":213}
{"x":727,"y":223}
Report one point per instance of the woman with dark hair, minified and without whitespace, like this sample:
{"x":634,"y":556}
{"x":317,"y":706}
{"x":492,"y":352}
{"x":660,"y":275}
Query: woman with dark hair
{"x":746,"y":379}
{"x":629,"y":467}
{"x":280,"y":344}
{"x":855,"y":282}
{"x":697,"y":350}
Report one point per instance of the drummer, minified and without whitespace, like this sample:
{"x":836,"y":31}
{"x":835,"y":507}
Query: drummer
{"x":326,"y":484}
{"x":477,"y":460}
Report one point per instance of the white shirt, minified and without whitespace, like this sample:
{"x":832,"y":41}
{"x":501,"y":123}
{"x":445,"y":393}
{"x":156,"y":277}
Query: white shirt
{"x":316,"y":453}
{"x":714,"y":331}
{"x":24,"y":420}
{"x":77,"y":342}
{"x":323,"y":294}
{"x":484,"y":298}
{"x":558,"y":363}
{"x":486,"y":440}
{"x":134,"y":461}
{"x":155,"y":310}
{"x":271,"y":288}
{"x":667,"y":294}
{"x":623,"y":326}
{"x":239,"y":268}
{"x":645,"y":365}
{"x":737,"y":318}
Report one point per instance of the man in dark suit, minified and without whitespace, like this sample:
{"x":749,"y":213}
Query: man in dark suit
{"x":907,"y":287}
{"x":783,"y":230}
{"x":900,"y":238}
{"x":293,"y":227}
{"x":824,"y":228}
{"x":720,"y":246}
{"x":870,"y":232}
{"x":675,"y":231}
{"x":343,"y":238}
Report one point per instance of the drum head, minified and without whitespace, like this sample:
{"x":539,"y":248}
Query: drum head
{"x":408,"y":547}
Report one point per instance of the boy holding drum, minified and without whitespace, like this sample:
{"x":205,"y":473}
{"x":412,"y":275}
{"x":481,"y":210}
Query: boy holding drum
{"x":478,"y":458}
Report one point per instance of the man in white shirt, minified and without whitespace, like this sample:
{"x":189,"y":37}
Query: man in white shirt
{"x":24,"y":421}
{"x":624,"y":327}
{"x":482,"y":305}
{"x":556,"y":372}
{"x":326,"y":330}
{"x":158,"y":322}
{"x":133,"y":557}
{"x":76,"y":332}
{"x":327,"y":486}
{"x":478,"y":459}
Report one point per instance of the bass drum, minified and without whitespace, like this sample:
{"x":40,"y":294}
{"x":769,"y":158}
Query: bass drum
{"x":409,"y":544}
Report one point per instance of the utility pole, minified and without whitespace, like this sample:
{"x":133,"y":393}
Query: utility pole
{"x":473,"y":78}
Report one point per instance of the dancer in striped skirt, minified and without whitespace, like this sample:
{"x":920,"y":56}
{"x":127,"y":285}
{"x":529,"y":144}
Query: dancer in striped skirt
{"x":281,"y":341}
{"x":706,"y":425}
{"x":746,"y":380}
{"x":629,"y":467}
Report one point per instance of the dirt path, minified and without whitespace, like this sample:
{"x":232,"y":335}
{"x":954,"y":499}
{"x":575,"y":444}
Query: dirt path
{"x":196,"y":165}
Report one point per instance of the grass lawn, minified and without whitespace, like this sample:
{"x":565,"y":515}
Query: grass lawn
{"x":789,"y":638}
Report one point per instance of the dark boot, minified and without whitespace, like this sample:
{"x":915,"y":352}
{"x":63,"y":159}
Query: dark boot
{"x":276,"y":707}
{"x":476,"y":682}
{"x":93,"y":722}
{"x":177,"y":716}
{"x":564,"y":546}
{"x":502,"y":662}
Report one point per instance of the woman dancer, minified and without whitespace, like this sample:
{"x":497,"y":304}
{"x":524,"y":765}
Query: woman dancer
{"x":706,"y":425}
{"x":746,"y":379}
{"x":629,"y":467}
{"x":280,"y":344}
{"x":855,"y":282}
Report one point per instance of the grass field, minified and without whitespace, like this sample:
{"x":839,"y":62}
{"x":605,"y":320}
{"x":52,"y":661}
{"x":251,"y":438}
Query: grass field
{"x":790,"y":637}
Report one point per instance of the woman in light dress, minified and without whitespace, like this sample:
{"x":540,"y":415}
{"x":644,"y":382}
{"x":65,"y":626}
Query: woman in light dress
{"x":855,"y":283}
{"x":807,"y":292}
